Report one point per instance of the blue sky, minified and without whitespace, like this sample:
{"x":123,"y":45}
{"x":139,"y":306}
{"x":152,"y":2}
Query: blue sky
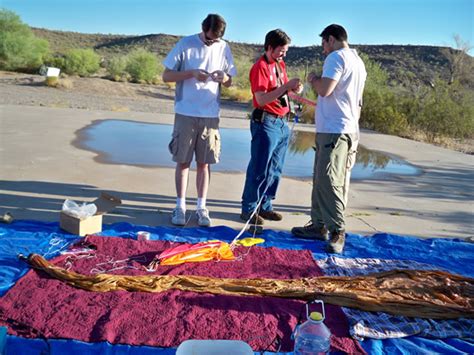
{"x":426,"y":22}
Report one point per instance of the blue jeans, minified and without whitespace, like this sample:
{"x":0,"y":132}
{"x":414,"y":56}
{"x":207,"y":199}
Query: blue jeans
{"x":270,"y":140}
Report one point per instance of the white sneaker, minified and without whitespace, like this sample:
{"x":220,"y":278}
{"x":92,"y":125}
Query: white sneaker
{"x":203,"y":217}
{"x":179,"y":217}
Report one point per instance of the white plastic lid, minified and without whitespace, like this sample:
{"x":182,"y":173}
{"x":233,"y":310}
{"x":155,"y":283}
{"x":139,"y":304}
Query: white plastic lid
{"x":213,"y":347}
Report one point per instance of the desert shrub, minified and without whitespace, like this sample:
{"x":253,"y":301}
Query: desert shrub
{"x":443,"y":110}
{"x":447,"y":110}
{"x":382,"y":113}
{"x":241,"y":80}
{"x":82,"y":62}
{"x":56,"y":61}
{"x":142,"y":66}
{"x":116,"y":67}
{"x":381,"y":110}
{"x":158,"y":80}
{"x":240,"y":89}
{"x":19,"y":48}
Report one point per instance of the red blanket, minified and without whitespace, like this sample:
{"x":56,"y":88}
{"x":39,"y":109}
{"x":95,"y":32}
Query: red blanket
{"x":40,"y":306}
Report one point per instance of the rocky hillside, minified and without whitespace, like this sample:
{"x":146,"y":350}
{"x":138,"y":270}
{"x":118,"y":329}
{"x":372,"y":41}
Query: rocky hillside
{"x":421,"y":63}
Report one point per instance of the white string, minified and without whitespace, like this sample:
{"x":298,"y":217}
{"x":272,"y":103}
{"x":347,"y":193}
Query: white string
{"x":53,"y":242}
{"x":116,"y":265}
{"x":72,"y":257}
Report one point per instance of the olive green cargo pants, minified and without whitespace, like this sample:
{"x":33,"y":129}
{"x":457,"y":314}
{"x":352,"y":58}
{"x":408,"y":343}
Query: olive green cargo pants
{"x":335,"y":157}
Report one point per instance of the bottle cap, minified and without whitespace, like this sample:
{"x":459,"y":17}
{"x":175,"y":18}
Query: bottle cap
{"x":316,"y":316}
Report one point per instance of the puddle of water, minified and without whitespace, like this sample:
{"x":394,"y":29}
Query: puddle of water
{"x":146,"y":144}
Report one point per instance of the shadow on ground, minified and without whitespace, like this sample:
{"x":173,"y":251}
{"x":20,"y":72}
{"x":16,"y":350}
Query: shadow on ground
{"x":40,"y":200}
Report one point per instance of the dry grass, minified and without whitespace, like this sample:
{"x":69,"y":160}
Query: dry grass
{"x":52,"y":81}
{"x":171,"y":86}
{"x":237,"y":94}
{"x":59,"y":104}
{"x":65,"y":83}
{"x":115,"y":108}
{"x":461,"y":145}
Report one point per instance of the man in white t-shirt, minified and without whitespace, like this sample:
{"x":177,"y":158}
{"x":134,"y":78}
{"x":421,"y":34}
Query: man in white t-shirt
{"x":199,"y":64}
{"x":340,"y":89}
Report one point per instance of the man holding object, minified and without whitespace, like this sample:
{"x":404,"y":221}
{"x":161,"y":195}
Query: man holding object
{"x":339,"y":90}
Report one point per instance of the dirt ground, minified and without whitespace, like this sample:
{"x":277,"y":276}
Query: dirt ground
{"x":95,"y":93}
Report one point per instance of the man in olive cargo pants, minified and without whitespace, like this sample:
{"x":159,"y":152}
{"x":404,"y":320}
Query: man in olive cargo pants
{"x":337,"y":115}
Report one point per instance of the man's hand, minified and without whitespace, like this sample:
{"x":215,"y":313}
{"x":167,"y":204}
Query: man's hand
{"x":293,"y":84}
{"x":322,"y":86}
{"x":312,"y":76}
{"x":200,"y":74}
{"x":218,"y":76}
{"x":299,"y":89}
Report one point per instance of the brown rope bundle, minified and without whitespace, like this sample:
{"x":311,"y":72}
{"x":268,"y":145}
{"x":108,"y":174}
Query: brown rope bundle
{"x":412,"y":293}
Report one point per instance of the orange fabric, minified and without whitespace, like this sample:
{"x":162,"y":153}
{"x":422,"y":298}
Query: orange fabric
{"x":206,"y":253}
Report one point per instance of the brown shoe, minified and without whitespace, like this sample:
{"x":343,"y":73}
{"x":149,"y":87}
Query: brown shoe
{"x":256,"y":219}
{"x":310,"y":231}
{"x":336,"y":242}
{"x":270,"y":215}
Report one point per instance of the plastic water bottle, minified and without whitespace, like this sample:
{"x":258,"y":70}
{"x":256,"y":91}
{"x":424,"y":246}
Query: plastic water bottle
{"x":312,"y":337}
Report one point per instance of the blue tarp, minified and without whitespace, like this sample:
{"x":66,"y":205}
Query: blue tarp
{"x":47,"y":239}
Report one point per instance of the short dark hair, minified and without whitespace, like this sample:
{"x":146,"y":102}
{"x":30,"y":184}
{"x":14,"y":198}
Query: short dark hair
{"x":215,"y":23}
{"x":276,"y":38}
{"x":337,"y":31}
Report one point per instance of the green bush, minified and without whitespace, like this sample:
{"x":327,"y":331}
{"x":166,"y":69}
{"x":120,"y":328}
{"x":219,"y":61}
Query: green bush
{"x":55,"y":61}
{"x":446,"y":111}
{"x":241,"y":80}
{"x":116,"y":67}
{"x":381,"y":112}
{"x":142,"y":66}
{"x":83,"y":62}
{"x":19,"y":48}
{"x":382,"y":108}
{"x":443,"y":110}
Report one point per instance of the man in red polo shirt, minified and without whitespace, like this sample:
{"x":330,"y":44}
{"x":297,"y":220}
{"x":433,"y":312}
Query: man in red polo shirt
{"x":269,"y":128}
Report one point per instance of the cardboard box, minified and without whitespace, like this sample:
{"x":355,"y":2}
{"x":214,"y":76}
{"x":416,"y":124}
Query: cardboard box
{"x":105,"y":203}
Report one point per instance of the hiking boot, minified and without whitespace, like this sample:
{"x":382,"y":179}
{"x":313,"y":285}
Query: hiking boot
{"x":179,"y":217}
{"x":310,"y":231}
{"x":203,"y":217}
{"x":270,"y":215}
{"x":256,"y":219}
{"x":336,"y":242}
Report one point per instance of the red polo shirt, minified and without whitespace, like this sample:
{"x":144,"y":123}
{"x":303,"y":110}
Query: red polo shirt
{"x":263,"y":77}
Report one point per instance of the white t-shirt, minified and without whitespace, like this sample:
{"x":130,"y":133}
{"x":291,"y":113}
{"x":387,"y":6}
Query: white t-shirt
{"x":195,"y":98}
{"x":339,"y":112}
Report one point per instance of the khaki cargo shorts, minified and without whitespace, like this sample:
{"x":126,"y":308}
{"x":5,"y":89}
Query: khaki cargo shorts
{"x":195,"y":135}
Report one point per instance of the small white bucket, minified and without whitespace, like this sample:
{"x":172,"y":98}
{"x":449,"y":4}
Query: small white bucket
{"x":142,"y":235}
{"x":214,"y":347}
